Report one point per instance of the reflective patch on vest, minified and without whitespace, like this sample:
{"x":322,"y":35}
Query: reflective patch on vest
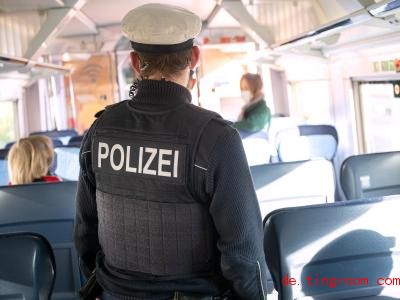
{"x":158,"y":160}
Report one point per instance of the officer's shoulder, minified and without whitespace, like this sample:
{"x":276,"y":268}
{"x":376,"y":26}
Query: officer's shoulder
{"x":204,"y":111}
{"x":109,"y":108}
{"x":215,"y":118}
{"x":220,"y":126}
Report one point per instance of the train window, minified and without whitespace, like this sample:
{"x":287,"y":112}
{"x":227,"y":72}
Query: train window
{"x":8,"y":122}
{"x":380,"y":112}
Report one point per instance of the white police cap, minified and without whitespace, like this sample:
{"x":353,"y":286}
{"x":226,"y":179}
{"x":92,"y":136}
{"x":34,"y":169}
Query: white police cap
{"x":160,"y":28}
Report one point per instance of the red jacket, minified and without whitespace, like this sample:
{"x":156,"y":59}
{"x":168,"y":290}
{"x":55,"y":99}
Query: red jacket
{"x":46,"y":178}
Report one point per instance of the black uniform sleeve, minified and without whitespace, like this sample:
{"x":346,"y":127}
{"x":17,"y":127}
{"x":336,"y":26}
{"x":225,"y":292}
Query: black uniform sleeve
{"x":86,"y":223}
{"x":236,"y":214}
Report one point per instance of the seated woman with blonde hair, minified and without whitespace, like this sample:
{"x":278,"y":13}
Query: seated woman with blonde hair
{"x":255,"y":113}
{"x":29,"y":160}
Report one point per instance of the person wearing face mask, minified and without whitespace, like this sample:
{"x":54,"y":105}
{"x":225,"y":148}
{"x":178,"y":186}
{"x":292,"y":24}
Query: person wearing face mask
{"x":255,"y":114}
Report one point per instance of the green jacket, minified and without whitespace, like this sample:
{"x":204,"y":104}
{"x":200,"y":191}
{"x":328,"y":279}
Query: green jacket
{"x":255,"y":117}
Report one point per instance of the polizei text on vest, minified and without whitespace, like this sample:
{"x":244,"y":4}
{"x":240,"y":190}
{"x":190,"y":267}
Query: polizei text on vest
{"x":138,"y":159}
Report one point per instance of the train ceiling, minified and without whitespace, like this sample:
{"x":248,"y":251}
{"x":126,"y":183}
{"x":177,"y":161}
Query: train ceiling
{"x":36,"y":29}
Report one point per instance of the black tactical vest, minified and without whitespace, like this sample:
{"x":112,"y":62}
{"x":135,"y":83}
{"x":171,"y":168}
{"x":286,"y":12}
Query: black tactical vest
{"x":150,"y":221}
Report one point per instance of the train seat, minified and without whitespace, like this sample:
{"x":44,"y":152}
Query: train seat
{"x":47,"y":209}
{"x":3,"y":167}
{"x":278,"y":124}
{"x":258,"y":149}
{"x":341,"y":250}
{"x":306,"y":142}
{"x":56,"y":133}
{"x":371,"y":175}
{"x":75,"y":141}
{"x":287,"y":184}
{"x":67,"y":165}
{"x":9,"y":145}
{"x":28,"y":268}
{"x":62,"y":135}
{"x":3,"y":153}
{"x":57,"y":142}
{"x":3,"y":172}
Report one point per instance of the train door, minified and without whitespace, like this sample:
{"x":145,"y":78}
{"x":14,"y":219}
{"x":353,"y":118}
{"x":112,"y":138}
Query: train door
{"x":378,"y":115}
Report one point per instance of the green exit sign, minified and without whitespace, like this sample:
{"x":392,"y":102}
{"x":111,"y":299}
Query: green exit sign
{"x":384,"y":66}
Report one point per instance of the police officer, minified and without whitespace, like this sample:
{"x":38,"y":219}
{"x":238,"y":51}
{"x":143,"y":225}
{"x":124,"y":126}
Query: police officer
{"x":166,"y":207}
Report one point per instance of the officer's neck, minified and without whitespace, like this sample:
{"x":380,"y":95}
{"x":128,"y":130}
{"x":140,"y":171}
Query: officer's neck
{"x":181,"y":78}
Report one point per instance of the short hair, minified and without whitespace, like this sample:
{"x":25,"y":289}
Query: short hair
{"x":166,"y":64}
{"x":30,"y":159}
{"x":254,"y":82}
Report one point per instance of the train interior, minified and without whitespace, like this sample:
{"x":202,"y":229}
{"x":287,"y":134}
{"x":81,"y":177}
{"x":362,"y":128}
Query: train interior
{"x":326,"y":170}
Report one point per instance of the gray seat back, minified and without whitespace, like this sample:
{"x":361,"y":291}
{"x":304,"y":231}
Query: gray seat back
{"x":3,"y":153}
{"x":335,"y":251}
{"x":62,"y":135}
{"x":3,"y":167}
{"x":307,"y":142}
{"x":288,"y":184}
{"x":27,"y":267}
{"x":76,"y":141}
{"x":67,"y":166}
{"x":371,"y":175}
{"x":258,"y":148}
{"x":47,"y":209}
{"x":3,"y":172}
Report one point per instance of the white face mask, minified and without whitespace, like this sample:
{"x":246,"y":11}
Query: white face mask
{"x":246,"y":95}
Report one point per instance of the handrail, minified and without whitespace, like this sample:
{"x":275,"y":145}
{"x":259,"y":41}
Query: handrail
{"x":31,"y":63}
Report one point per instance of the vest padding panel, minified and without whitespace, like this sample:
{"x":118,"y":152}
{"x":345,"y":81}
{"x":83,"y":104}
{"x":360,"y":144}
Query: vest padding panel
{"x":154,"y":237}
